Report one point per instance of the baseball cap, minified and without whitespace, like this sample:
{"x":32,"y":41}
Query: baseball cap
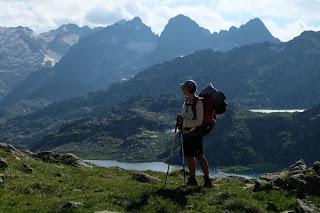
{"x":190,"y":84}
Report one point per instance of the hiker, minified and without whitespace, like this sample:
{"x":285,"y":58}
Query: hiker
{"x":191,"y":119}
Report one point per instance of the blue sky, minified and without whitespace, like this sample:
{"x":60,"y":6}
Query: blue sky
{"x":284,"y":18}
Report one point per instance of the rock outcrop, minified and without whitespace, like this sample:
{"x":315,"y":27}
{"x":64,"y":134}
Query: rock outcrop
{"x":9,"y":148}
{"x":299,"y":179}
{"x":144,"y":178}
{"x":63,"y":158}
{"x":305,"y":206}
{"x":49,"y":157}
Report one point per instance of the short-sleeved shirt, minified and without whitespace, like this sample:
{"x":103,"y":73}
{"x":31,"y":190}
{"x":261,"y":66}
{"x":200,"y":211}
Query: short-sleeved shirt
{"x":189,"y":121}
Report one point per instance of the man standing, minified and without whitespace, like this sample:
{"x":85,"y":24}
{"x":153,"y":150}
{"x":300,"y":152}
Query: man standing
{"x":191,"y":119}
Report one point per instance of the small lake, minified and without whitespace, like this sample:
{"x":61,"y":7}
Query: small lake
{"x":162,"y":167}
{"x":276,"y":110}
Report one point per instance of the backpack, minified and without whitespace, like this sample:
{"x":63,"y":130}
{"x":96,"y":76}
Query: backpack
{"x":213,"y":103}
{"x":211,"y":94}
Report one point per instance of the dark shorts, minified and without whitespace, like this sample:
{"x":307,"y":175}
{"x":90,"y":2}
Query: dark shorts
{"x":192,"y":144}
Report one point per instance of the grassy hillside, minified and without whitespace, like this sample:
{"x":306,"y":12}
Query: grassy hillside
{"x":50,"y":186}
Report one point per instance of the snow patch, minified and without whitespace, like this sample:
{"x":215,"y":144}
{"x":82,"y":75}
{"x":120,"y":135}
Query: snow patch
{"x":48,"y":61}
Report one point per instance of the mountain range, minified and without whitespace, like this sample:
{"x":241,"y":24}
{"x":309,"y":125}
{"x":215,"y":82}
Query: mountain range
{"x":264,"y":75}
{"x":23,"y":52}
{"x":118,"y":52}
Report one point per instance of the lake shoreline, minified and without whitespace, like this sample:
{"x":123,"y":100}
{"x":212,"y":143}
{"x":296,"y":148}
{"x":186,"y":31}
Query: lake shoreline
{"x":241,"y":171}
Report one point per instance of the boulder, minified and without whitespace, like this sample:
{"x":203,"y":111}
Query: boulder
{"x":305,"y":206}
{"x":26,"y":168}
{"x":289,"y":211}
{"x":189,"y":207}
{"x":72,"y":205}
{"x":2,"y":178}
{"x":63,"y":158}
{"x":144,"y":178}
{"x":59,"y":175}
{"x":3,"y":164}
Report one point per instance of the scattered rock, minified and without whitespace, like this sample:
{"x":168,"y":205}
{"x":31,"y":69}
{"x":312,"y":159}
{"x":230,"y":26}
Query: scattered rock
{"x":189,"y":207}
{"x":3,"y":164}
{"x":298,"y":179}
{"x":63,"y":158}
{"x":72,"y":205}
{"x":289,"y":211}
{"x":272,"y":207}
{"x":305,"y":206}
{"x":144,"y":178}
{"x":2,"y":178}
{"x":42,"y":187}
{"x":26,"y":168}
{"x":262,"y":185}
{"x":59,"y":175}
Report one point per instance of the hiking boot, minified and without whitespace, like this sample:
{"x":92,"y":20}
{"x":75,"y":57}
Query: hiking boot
{"x":207,"y":182}
{"x":192,"y":181}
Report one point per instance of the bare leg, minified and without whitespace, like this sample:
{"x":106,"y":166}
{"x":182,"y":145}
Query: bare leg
{"x":192,"y":166}
{"x":204,"y":165}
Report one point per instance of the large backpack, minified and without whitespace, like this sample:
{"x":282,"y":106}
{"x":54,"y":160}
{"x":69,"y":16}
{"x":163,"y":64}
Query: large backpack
{"x":217,"y":98}
{"x":214,"y":102}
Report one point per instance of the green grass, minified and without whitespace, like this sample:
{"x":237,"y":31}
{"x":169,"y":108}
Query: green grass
{"x":114,"y":189}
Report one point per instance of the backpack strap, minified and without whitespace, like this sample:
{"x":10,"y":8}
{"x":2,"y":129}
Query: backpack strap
{"x":194,"y":107}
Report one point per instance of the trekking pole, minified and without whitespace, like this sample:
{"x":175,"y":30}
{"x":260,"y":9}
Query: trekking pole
{"x":170,"y":156}
{"x":183,"y":167}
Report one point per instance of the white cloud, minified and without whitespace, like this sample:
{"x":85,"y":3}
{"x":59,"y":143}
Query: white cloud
{"x":286,"y":32}
{"x":285,"y":18}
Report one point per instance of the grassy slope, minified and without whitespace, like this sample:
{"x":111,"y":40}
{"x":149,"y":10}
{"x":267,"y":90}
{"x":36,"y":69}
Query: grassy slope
{"x":113,"y":189}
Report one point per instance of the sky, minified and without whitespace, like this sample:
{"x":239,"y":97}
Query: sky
{"x":284,"y":18}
